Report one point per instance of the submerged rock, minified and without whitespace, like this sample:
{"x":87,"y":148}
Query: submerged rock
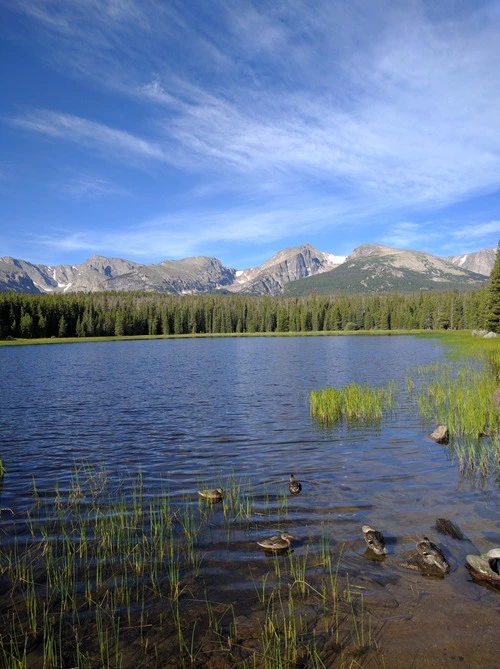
{"x":445,"y":526}
{"x":441,"y":434}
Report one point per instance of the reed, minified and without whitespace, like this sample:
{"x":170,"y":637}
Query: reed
{"x":100,"y":565}
{"x":261,"y":588}
{"x":298,"y":571}
{"x":460,"y":396}
{"x":354,"y":404}
{"x":239,"y":502}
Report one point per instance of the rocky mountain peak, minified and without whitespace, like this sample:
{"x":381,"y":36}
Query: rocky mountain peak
{"x":370,"y":250}
{"x":290,"y":264}
{"x":480,"y":262}
{"x":370,"y":267}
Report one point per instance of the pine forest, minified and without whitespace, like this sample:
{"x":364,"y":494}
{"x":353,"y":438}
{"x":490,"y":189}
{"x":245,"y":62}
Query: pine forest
{"x":128,"y":314}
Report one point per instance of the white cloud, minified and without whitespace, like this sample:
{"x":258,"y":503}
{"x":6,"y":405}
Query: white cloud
{"x":407,"y":235}
{"x":190,"y":232}
{"x":96,"y":136}
{"x":451,"y":237}
{"x":411,"y":115}
{"x":476,"y":231}
{"x":312,"y":118}
{"x":86,"y":187}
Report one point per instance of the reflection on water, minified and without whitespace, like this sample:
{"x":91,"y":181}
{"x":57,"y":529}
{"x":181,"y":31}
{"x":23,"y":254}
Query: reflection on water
{"x":191,"y":414}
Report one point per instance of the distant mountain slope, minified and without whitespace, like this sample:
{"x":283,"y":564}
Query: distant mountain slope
{"x":284,"y":267}
{"x":97,"y":273}
{"x":381,"y":269}
{"x":24,"y":277}
{"x":191,"y":275}
{"x":480,"y":262}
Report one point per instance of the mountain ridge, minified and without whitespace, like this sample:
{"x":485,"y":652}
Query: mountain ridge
{"x":369,"y":268}
{"x":373,"y":268}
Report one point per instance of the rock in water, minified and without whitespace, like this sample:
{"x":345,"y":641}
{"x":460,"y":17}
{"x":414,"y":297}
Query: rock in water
{"x":445,"y":526}
{"x":441,"y":434}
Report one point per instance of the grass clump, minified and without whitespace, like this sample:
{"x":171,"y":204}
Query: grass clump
{"x":463,"y":394}
{"x":354,"y":404}
{"x":462,"y":400}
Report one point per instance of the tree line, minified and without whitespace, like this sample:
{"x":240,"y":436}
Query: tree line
{"x":138,"y":313}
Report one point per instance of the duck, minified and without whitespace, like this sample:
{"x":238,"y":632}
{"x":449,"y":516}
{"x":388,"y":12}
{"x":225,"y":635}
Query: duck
{"x":375,"y":540}
{"x":432,"y":555}
{"x":277,"y":543}
{"x":294,"y":486}
{"x":212,"y":496}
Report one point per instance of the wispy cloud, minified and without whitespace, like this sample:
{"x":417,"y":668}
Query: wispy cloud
{"x":192,"y":232}
{"x":86,"y":187}
{"x":407,"y":235}
{"x":451,"y":237}
{"x":366,"y":108}
{"x":96,"y":136}
{"x":476,"y":231}
{"x":401,"y":129}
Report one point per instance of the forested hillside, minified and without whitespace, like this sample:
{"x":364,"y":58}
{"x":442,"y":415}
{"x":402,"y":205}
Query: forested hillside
{"x":104,"y":314}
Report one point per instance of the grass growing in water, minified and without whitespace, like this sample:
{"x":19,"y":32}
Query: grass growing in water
{"x":353,"y":403}
{"x":460,"y":394}
{"x":462,"y":399}
{"x":105,"y":574}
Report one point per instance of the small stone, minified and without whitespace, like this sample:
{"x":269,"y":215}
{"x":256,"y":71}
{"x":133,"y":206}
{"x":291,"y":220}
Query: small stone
{"x":441,"y":434}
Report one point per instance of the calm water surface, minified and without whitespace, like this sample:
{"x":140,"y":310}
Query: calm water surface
{"x":195,"y":411}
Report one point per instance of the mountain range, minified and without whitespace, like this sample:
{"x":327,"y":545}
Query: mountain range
{"x":294,"y":271}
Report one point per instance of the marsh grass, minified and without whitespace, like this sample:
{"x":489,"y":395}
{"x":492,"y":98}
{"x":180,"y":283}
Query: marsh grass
{"x":460,"y":395}
{"x":100,"y":573}
{"x":355,"y":404}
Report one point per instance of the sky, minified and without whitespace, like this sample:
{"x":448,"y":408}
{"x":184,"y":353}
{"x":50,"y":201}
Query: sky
{"x":156,"y":130}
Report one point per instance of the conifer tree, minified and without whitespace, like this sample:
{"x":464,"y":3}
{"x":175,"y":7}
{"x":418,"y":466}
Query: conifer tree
{"x":493,"y":319}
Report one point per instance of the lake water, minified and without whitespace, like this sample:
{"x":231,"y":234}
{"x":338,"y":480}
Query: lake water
{"x":197,"y":411}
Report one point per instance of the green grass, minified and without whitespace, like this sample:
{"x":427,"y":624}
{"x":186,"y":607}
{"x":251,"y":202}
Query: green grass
{"x":459,"y":394}
{"x":102,"y":572}
{"x":330,"y":333}
{"x":355,"y":404}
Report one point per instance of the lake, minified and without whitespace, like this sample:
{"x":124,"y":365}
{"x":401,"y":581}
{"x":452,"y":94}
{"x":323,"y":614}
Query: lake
{"x":234,"y":412}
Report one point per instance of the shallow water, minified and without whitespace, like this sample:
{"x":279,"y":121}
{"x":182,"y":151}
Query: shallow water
{"x":197,"y":412}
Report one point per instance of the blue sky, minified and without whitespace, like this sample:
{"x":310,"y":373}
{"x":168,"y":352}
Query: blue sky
{"x":161,"y":129}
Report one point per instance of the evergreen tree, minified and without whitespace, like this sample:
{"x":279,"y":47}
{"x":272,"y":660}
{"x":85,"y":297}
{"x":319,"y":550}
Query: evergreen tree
{"x":42,"y":325}
{"x":62,"y":329}
{"x":26,"y":325}
{"x":493,"y":318}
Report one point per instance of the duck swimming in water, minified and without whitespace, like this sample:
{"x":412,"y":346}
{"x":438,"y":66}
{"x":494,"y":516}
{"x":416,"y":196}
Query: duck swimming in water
{"x":432,"y":555}
{"x":212,"y":496}
{"x":374,"y":540}
{"x":294,"y":486}
{"x":277,"y":543}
